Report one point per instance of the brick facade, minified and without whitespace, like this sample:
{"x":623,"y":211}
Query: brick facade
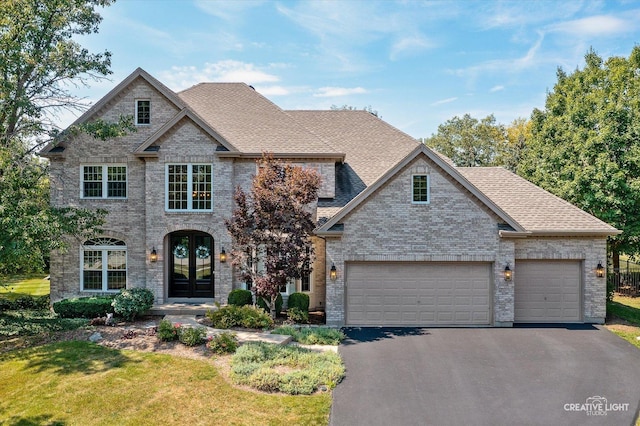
{"x":141,"y":220}
{"x":455,"y":226}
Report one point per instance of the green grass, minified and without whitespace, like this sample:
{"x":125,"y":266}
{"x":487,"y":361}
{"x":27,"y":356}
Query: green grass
{"x":80,"y":383}
{"x":31,"y":285}
{"x":625,"y":308}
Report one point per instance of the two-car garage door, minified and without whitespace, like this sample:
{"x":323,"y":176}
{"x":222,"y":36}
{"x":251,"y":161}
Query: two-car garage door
{"x":418,"y":293}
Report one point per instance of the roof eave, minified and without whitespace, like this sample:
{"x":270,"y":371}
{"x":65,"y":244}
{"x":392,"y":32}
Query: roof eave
{"x":561,"y":233}
{"x":284,"y":155}
{"x":320,"y":233}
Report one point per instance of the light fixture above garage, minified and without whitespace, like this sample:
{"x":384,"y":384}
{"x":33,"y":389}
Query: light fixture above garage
{"x":153,"y":256}
{"x":599,"y":270}
{"x":333,"y":272}
{"x":508,"y":273}
{"x":223,"y":256}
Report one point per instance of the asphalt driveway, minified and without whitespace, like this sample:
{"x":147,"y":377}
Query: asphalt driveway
{"x":487,"y":376}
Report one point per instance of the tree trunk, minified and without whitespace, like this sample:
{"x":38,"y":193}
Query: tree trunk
{"x":615,"y":256}
{"x":272,"y":306}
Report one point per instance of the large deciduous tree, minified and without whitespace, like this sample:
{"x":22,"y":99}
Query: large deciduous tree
{"x":271,"y":227}
{"x":585,"y":144}
{"x":469,"y":142}
{"x":40,"y":65}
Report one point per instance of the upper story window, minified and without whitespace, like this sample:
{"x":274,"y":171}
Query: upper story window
{"x":143,"y":111}
{"x":104,"y":265}
{"x":102,"y":181}
{"x":420,"y":189}
{"x":188,"y":187}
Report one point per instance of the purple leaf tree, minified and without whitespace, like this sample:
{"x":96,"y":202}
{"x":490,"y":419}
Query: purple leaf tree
{"x":271,"y":227}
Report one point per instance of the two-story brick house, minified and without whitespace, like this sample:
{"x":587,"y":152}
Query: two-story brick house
{"x":403,"y":237}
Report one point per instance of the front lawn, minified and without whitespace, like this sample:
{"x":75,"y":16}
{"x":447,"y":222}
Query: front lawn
{"x":79,"y":383}
{"x":623,"y":318}
{"x":24,"y":285}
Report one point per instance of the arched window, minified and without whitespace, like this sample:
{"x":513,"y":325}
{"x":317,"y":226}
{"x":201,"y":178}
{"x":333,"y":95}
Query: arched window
{"x":104,"y":265}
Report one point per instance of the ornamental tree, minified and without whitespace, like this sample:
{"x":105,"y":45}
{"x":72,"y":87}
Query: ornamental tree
{"x":271,"y":227}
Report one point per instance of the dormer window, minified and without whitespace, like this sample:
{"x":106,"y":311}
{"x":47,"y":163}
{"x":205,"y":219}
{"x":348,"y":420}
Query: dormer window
{"x":143,"y":112}
{"x":420,"y":189}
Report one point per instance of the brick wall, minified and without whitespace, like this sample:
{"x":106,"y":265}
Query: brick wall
{"x":453,"y":227}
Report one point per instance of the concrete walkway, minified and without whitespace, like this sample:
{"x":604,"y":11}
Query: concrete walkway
{"x":242,"y":336}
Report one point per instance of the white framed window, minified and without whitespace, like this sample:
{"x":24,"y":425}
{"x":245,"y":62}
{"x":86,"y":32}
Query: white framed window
{"x":420,"y":189}
{"x":143,"y":112}
{"x":188,"y":187}
{"x":103,"y":181}
{"x":103,"y":265}
{"x":306,"y":282}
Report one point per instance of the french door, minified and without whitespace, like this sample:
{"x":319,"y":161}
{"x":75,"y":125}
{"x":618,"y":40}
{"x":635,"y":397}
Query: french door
{"x":191,"y":264}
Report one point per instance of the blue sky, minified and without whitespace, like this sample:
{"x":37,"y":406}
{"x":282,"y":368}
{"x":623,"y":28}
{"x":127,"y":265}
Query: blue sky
{"x":418,"y":63}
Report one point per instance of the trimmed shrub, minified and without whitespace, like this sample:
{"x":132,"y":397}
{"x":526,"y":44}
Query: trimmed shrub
{"x":240,"y":316}
{"x":84,"y":307}
{"x":167,"y":331}
{"x":288,"y":369}
{"x":132,"y":301}
{"x":312,"y":335}
{"x":26,"y":302}
{"x":223,"y":343}
{"x":298,"y":300}
{"x":296,"y":314}
{"x":240,"y":297}
{"x":265,"y":304}
{"x":192,"y":336}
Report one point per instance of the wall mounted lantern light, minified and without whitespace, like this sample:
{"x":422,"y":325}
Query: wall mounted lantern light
{"x":333,"y":272}
{"x":508,"y":273}
{"x":153,"y":257}
{"x":223,"y":256}
{"x":599,"y":270}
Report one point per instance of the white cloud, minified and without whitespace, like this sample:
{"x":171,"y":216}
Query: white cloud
{"x":227,"y":10}
{"x":444,"y":101}
{"x":601,"y":25}
{"x":328,"y":92}
{"x":410,"y":45}
{"x":273,"y":90}
{"x":181,"y":77}
{"x":527,"y":61}
{"x":496,"y":88}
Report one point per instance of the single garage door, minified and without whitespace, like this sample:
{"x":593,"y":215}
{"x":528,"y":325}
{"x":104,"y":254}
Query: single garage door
{"x":418,"y":293}
{"x":547,"y":291}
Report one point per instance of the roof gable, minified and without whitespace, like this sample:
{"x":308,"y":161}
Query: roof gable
{"x":440,"y":162}
{"x":95,"y":108}
{"x":144,"y":149}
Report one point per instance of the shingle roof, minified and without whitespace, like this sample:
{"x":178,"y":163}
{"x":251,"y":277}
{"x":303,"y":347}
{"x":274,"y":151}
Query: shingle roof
{"x":249,"y":121}
{"x":535,"y":209}
{"x":371,"y":148}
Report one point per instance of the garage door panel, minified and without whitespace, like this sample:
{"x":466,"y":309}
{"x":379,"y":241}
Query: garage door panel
{"x":418,"y":293}
{"x":547,"y":291}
